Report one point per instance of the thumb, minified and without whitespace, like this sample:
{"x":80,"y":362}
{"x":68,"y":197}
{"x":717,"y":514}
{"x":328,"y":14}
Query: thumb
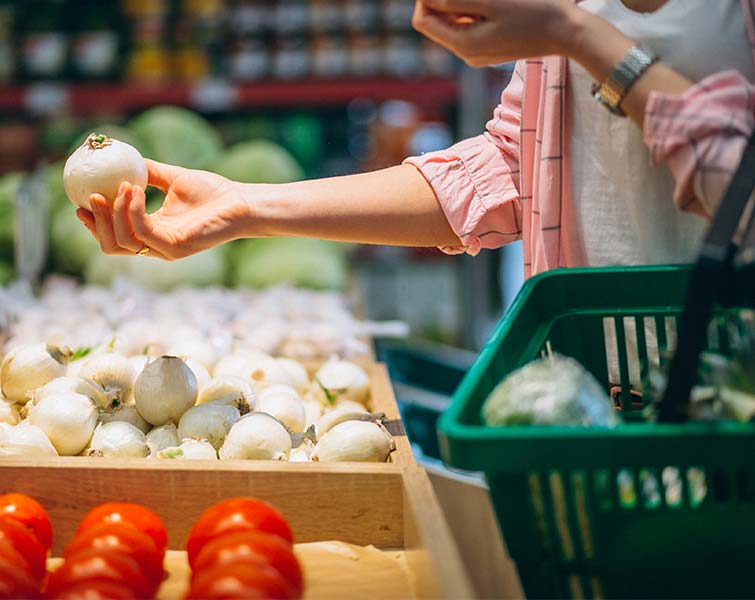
{"x":161,"y":175}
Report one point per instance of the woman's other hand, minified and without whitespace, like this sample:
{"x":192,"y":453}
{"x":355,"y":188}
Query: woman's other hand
{"x":201,"y":210}
{"x":490,"y":32}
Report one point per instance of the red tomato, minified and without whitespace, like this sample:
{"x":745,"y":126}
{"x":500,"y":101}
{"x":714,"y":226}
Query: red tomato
{"x":30,"y":513}
{"x":17,"y":583}
{"x":99,"y":564}
{"x":96,"y":589}
{"x":8,"y":553}
{"x":237,"y":514}
{"x":27,"y":545}
{"x":125,"y":539}
{"x":252,"y":546}
{"x":132,"y":514}
{"x":240,"y":581}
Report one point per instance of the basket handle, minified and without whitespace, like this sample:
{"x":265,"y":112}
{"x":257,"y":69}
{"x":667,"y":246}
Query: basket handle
{"x":710,"y":275}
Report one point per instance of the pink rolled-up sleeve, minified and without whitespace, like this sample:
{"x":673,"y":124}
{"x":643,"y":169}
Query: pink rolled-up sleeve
{"x":476,"y":181}
{"x":701,"y":135}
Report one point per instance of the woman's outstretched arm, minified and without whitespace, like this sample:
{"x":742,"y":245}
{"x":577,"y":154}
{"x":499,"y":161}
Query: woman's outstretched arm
{"x":201,"y":210}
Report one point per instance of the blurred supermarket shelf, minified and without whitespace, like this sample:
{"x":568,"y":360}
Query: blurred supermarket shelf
{"x":433,"y":93}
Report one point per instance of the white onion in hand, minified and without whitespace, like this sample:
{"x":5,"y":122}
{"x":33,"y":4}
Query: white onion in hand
{"x":99,"y":166}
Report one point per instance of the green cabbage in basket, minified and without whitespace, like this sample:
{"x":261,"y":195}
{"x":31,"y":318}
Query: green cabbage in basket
{"x":550,"y":391}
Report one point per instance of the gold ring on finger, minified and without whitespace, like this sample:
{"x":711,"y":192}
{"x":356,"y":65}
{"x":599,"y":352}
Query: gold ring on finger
{"x":144,"y":250}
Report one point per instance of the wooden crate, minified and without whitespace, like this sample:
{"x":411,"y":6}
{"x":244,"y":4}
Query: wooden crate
{"x":389,"y":507}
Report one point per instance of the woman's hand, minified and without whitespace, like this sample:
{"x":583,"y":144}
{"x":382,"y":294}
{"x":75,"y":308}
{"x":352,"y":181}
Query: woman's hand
{"x":201,"y":210}
{"x":490,"y":32}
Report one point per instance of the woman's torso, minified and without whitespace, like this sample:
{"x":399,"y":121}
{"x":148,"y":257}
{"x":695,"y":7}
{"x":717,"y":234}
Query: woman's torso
{"x":623,"y":206}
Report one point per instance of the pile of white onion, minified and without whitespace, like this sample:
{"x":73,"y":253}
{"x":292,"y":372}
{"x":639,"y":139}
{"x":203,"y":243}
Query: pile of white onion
{"x":246,"y":405}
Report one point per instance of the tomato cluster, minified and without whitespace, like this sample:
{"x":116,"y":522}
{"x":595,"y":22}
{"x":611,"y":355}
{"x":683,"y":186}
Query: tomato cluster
{"x":239,"y":548}
{"x":243,"y":548}
{"x":117,"y":553}
{"x":25,"y":541}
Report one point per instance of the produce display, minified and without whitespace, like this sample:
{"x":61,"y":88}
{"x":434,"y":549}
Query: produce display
{"x":257,"y":407}
{"x":238,"y":548}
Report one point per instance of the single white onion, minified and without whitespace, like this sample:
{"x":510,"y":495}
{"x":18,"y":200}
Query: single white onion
{"x":114,"y":372}
{"x":127,"y":413}
{"x":29,"y":367}
{"x":210,"y":421}
{"x":162,"y":437}
{"x":344,"y":380}
{"x":117,"y":438}
{"x":190,"y":450}
{"x":99,"y":166}
{"x":230,"y":389}
{"x":67,"y":418}
{"x":257,"y":436}
{"x":165,"y":390}
{"x":25,"y":439}
{"x":284,"y":403}
{"x":354,"y":441}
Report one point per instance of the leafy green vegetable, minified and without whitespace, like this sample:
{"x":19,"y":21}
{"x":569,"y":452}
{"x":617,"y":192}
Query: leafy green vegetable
{"x":258,"y":161}
{"x":177,"y":136}
{"x":71,"y":244}
{"x":556,"y":390}
{"x":301,"y":262}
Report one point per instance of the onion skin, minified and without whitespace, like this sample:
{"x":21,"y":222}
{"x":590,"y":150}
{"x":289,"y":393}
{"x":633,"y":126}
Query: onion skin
{"x":99,"y":167}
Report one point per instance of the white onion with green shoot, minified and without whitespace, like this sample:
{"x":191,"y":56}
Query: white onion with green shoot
{"x":99,"y":166}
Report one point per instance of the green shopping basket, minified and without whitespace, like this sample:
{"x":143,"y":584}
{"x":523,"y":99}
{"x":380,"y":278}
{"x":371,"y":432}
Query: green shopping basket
{"x":642,"y":510}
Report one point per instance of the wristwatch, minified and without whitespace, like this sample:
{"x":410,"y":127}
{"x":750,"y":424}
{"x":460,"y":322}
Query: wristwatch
{"x":613,"y":90}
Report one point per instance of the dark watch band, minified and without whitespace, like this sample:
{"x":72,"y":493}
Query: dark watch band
{"x":613,"y":90}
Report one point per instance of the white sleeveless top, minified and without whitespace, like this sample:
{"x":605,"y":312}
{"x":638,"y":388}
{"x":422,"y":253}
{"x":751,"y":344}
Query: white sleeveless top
{"x":624,"y":206}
